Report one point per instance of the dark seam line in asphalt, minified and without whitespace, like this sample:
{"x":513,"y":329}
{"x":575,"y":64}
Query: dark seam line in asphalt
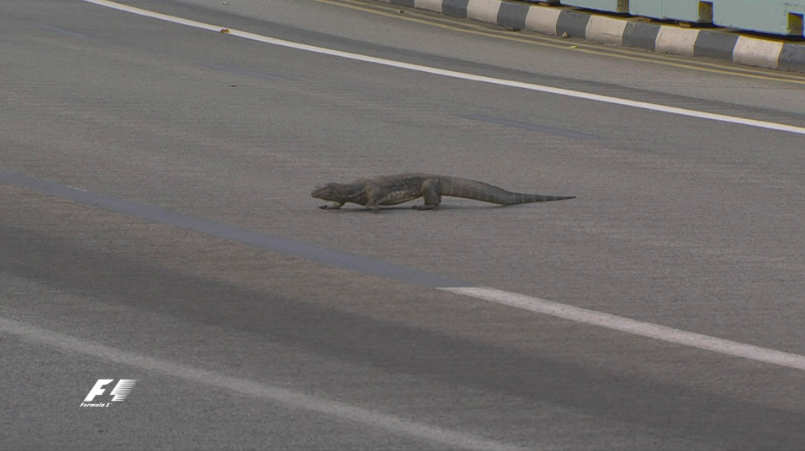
{"x":528,"y":126}
{"x":247,"y":72}
{"x":271,"y":243}
{"x":60,"y":30}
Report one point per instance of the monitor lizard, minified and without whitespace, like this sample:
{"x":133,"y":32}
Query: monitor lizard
{"x":396,"y":189}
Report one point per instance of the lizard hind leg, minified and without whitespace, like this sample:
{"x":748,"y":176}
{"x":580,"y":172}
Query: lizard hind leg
{"x":431,"y":193}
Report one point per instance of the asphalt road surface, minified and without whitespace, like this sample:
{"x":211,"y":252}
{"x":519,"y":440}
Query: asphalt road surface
{"x":156,"y":225}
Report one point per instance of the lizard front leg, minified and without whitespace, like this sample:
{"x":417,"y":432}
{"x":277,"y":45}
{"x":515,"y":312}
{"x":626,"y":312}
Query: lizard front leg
{"x":334,"y":206}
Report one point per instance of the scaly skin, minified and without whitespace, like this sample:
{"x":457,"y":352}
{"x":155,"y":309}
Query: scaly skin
{"x":396,"y":189}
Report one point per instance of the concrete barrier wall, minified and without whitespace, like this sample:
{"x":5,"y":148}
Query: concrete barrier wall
{"x":781,"y":17}
{"x":622,"y":29}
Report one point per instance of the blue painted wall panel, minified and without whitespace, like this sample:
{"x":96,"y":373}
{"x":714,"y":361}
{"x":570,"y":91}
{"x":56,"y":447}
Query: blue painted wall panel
{"x":783,"y":17}
{"x":647,"y":8}
{"x":689,"y":10}
{"x":615,"y":6}
{"x":767,"y":16}
{"x":683,"y":10}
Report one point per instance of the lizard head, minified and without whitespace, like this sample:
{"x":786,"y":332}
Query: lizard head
{"x":329,"y":192}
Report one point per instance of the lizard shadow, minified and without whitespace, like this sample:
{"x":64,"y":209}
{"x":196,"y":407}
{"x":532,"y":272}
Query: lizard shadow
{"x":398,"y":209}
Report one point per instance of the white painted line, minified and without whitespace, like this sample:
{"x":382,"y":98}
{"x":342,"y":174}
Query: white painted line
{"x":632,"y":327}
{"x":347,"y":412}
{"x":461,"y":75}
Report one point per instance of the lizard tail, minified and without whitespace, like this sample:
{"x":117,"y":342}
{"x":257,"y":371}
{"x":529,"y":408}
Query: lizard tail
{"x":471,"y":189}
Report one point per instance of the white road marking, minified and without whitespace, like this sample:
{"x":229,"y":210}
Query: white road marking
{"x":459,"y":75}
{"x":631,"y":326}
{"x":445,"y":437}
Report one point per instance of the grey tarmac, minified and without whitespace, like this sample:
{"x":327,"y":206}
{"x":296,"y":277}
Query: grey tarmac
{"x":689,"y":224}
